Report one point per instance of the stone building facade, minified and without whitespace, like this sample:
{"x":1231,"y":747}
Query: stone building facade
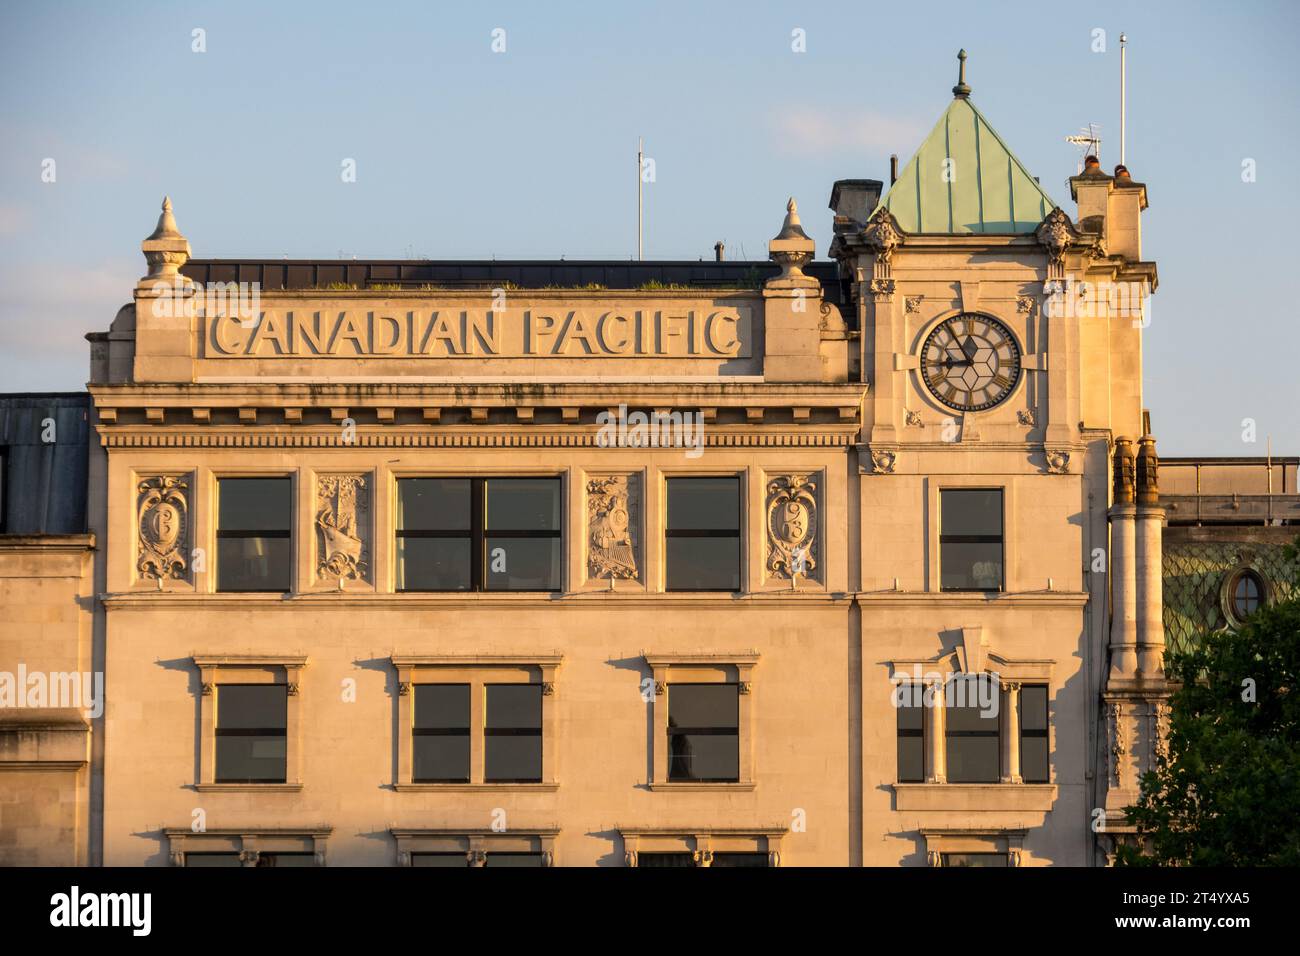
{"x":781,"y":563}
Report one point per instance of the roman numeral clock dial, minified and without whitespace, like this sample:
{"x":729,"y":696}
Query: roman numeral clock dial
{"x":970,"y":362}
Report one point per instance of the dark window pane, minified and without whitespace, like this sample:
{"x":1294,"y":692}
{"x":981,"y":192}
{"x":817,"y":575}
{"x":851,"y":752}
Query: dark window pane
{"x":514,"y":706}
{"x":966,"y":566}
{"x":911,"y":742}
{"x":694,"y":706}
{"x":973,"y":759}
{"x":433,"y":504}
{"x":974,"y":859}
{"x":514,"y":859}
{"x":1033,"y":735}
{"x":251,"y":721}
{"x":1033,"y":760}
{"x":703,"y":564}
{"x":212,"y":859}
{"x":523,"y":564}
{"x":442,"y":706}
{"x":523,"y":504}
{"x":251,"y":758}
{"x":711,"y":504}
{"x":252,"y":706}
{"x":740,"y":859}
{"x":664,"y":859}
{"x":254,"y":504}
{"x":440,"y":759}
{"x":971,"y":511}
{"x":513,"y":734}
{"x":440,"y":737}
{"x":713,"y":757}
{"x":973,"y":704}
{"x":433,"y":564}
{"x":1033,"y":708}
{"x":459,"y":859}
{"x":703,"y":734}
{"x":286,"y":859}
{"x":253,"y":564}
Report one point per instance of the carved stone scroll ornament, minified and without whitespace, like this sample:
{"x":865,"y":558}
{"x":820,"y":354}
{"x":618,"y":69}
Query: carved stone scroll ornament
{"x":611,"y":551}
{"x":341,"y":500}
{"x":883,"y":461}
{"x":882,"y":234}
{"x":162,"y":519}
{"x":1055,"y":234}
{"x":1118,"y":743}
{"x":792,"y":526}
{"x":1058,"y":461}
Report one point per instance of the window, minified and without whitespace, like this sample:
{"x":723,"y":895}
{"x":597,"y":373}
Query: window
{"x":249,"y":709}
{"x":704,"y":732}
{"x":665,"y":860}
{"x":513,"y":734}
{"x":970,"y":539}
{"x":4,"y":474}
{"x":254,"y":516}
{"x":271,"y":846}
{"x":703,"y":534}
{"x":911,"y":733}
{"x":740,"y":859}
{"x":453,"y":848}
{"x":1033,"y":734}
{"x":479,"y":534}
{"x":975,"y":859}
{"x":475,"y":721}
{"x":1246,"y":592}
{"x":440,"y":737}
{"x":971,"y":729}
{"x":252,"y":722}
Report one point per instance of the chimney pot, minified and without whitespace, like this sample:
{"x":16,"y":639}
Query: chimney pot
{"x":719,"y":251}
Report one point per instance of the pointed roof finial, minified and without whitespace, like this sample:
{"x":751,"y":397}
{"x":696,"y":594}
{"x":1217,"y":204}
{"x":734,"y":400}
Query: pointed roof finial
{"x":792,"y":228}
{"x":961,"y":89}
{"x":166,"y":228}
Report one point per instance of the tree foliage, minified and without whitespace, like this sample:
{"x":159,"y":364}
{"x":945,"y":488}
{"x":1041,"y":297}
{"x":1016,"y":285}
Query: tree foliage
{"x":1227,"y":792}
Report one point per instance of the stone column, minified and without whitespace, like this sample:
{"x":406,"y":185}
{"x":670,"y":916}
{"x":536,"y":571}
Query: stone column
{"x":1150,"y":578}
{"x":936,"y":762}
{"x":1011,"y":733}
{"x":1123,"y":576}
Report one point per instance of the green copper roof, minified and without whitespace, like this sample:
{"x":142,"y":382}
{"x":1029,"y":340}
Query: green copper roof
{"x":984,"y":189}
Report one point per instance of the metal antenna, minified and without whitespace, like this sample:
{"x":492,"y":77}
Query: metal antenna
{"x":1123,"y":81}
{"x":1088,"y":142}
{"x":639,"y":163}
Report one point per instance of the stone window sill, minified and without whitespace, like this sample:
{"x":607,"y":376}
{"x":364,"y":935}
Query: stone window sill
{"x":248,"y":787}
{"x":738,"y":787}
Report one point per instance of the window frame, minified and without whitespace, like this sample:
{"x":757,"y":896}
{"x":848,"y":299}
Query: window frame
{"x":715,"y":731}
{"x":219,"y":533}
{"x":1000,"y":540}
{"x":739,"y":534}
{"x":215,"y":670}
{"x":478,"y":532}
{"x":1228,"y":600}
{"x":219,"y":732}
{"x":477,"y":670}
{"x":704,"y":668}
{"x":940,"y":841}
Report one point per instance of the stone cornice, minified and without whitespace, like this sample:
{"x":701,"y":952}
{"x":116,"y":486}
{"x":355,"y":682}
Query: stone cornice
{"x":490,"y":436}
{"x":70,"y":543}
{"x":960,"y":599}
{"x":190,"y":601}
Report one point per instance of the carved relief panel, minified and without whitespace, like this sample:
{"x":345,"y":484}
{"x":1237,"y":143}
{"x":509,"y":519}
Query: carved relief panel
{"x":163,"y":528}
{"x":792,"y":514}
{"x":613,"y":516}
{"x":342,"y":527}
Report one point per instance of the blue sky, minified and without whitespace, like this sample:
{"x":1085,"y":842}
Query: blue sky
{"x":461,"y":152}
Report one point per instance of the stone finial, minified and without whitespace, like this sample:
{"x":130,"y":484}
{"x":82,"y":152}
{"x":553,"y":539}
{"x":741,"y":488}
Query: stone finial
{"x":166,"y":250}
{"x":1148,"y":472}
{"x":1125,"y":478}
{"x":792,"y":248}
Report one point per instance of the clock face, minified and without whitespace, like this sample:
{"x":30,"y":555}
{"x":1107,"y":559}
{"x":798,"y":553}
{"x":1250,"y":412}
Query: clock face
{"x":970,"y":362}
